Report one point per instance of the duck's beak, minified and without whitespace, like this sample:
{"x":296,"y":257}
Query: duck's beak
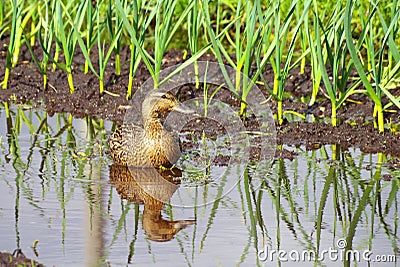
{"x":183,"y":109}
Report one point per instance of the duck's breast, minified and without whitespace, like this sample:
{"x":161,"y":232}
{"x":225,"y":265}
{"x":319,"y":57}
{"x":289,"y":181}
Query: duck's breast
{"x":165,"y":150}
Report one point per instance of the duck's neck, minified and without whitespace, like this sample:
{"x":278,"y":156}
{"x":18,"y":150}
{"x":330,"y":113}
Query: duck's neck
{"x":153,"y":128}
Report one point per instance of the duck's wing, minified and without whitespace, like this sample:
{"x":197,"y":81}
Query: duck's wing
{"x":116,"y":146}
{"x":125,"y":141}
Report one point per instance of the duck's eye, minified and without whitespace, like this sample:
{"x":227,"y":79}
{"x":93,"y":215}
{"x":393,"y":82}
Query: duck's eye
{"x":164,"y":96}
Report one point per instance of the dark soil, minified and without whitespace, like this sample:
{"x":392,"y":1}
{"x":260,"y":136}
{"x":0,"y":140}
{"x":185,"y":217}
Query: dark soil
{"x":356,"y":128}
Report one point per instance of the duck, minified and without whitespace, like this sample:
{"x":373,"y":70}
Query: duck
{"x":153,"y":145}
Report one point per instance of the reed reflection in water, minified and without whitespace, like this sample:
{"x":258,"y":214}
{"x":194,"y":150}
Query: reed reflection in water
{"x":58,"y":186}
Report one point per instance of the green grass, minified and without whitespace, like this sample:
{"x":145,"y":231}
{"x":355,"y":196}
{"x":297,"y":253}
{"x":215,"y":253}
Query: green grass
{"x":334,"y":38}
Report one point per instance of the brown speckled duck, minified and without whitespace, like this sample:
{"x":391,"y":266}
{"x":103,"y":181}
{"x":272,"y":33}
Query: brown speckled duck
{"x":152,"y":145}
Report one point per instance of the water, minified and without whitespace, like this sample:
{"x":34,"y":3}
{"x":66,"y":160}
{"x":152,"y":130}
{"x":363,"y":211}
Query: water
{"x":58,"y":186}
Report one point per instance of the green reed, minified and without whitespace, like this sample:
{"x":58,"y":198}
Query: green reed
{"x":281,"y":35}
{"x":114,"y":29}
{"x":24,"y":15}
{"x":214,"y":39}
{"x":246,"y":41}
{"x":136,"y":19}
{"x":19,"y":19}
{"x":166,"y":25}
{"x":194,"y":21}
{"x":45,"y":39}
{"x":315,"y":67}
{"x":114,"y":35}
{"x":332,"y":53}
{"x":66,"y":34}
{"x":372,"y":72}
{"x":90,"y":33}
{"x":104,"y":55}
{"x":302,"y":36}
{"x":3,"y":23}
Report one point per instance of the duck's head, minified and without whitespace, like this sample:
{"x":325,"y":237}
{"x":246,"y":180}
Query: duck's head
{"x":157,"y":104}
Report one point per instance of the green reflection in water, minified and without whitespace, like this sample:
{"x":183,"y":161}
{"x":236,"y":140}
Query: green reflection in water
{"x":56,"y":168}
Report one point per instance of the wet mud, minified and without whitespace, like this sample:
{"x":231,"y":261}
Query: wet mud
{"x":356,"y":123}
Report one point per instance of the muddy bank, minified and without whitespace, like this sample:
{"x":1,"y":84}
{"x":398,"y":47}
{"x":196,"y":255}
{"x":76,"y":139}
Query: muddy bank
{"x":356,"y":129}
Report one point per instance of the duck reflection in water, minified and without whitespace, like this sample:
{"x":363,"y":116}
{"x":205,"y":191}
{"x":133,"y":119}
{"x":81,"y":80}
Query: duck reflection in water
{"x":152,"y":188}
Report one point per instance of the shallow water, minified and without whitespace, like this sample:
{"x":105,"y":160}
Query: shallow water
{"x":58,"y":186}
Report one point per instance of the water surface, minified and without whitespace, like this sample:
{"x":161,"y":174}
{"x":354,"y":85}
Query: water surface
{"x":58,"y":186}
